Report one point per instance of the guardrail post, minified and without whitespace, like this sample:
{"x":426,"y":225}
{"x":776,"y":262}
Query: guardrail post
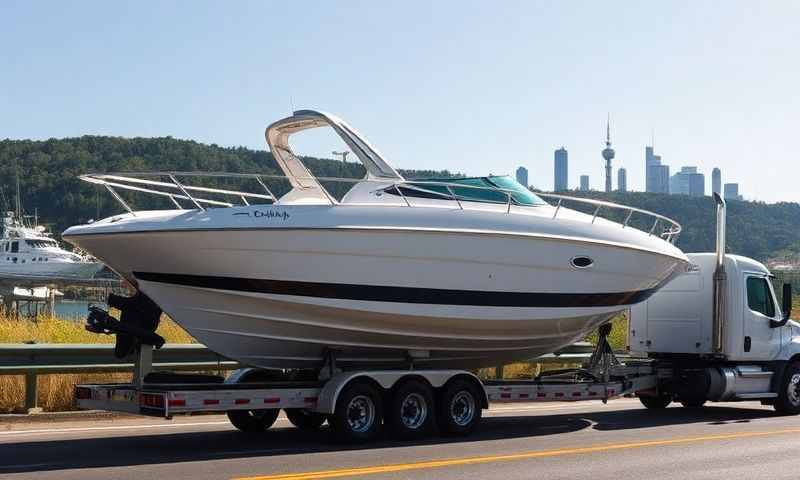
{"x":143,"y":364}
{"x":498,"y":372}
{"x":30,"y":391}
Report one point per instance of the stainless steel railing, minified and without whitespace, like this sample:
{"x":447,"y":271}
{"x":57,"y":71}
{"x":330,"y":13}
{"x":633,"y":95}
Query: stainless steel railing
{"x":174,"y":189}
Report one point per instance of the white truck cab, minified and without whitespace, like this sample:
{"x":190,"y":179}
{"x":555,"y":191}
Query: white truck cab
{"x":679,"y":319}
{"x":717,"y":333}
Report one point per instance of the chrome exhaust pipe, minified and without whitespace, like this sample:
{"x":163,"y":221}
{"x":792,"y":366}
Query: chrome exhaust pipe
{"x":720,"y":279}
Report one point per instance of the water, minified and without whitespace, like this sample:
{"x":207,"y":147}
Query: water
{"x":75,"y":309}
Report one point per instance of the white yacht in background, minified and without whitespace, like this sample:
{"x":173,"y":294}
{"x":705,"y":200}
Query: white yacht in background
{"x":30,"y":252}
{"x":464,"y":272}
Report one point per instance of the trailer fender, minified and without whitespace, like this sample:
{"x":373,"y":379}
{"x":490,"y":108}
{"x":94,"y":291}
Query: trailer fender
{"x":386,"y":379}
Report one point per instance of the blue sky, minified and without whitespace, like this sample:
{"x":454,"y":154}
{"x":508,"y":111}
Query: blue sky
{"x":476,"y":87}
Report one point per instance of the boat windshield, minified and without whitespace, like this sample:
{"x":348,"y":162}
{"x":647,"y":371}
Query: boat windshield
{"x":487,"y":192}
{"x":40,"y":243}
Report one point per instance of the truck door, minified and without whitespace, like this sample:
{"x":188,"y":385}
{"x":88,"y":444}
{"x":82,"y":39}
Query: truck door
{"x":761,"y":342}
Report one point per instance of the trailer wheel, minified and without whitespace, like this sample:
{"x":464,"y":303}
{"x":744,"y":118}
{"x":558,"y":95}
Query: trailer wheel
{"x":459,"y":408}
{"x":358,"y":415}
{"x":693,"y":402}
{"x":305,"y":419}
{"x":253,"y":421}
{"x":411,"y":410}
{"x":655,"y":402}
{"x":788,"y":401}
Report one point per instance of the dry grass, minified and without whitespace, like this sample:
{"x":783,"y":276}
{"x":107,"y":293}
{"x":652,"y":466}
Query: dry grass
{"x":46,"y":329}
{"x":56,"y":391}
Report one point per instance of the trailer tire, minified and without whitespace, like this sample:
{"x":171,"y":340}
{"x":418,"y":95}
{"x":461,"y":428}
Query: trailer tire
{"x":693,"y":402}
{"x":358,"y":415}
{"x":655,"y":402}
{"x":253,"y":421}
{"x":411,"y":411}
{"x":305,"y":419}
{"x":459,"y":408}
{"x":788,"y":401}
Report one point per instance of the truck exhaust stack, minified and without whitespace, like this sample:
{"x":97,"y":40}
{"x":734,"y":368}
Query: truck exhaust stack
{"x":720,"y":278}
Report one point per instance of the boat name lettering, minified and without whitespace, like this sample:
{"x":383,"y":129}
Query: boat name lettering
{"x":270,"y":214}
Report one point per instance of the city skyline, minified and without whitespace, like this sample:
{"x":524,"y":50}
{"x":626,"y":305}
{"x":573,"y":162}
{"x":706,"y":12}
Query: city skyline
{"x":688,"y":180}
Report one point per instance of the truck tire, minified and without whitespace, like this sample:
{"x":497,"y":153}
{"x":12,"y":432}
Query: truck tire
{"x":253,"y":421}
{"x":655,"y":402}
{"x":358,"y":415}
{"x":410,"y":412}
{"x":459,"y":409}
{"x":305,"y":419}
{"x":788,"y":401}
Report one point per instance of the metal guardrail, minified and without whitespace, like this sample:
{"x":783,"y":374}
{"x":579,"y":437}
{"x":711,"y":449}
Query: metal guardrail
{"x":32,"y":360}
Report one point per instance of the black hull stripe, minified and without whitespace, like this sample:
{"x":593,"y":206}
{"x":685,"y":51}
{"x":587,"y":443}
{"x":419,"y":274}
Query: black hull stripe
{"x":378,"y":293}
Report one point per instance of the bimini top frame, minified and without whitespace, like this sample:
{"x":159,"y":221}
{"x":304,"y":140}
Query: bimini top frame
{"x":305,"y":187}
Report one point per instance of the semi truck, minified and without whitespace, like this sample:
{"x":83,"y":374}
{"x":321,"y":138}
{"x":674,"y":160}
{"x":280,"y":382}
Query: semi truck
{"x":715,"y":333}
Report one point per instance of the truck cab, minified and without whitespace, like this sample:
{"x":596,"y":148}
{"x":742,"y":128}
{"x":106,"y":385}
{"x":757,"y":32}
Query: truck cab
{"x":679,"y":319}
{"x":717,"y":333}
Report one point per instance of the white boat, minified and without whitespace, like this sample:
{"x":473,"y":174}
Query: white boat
{"x":30,"y":252}
{"x":463,"y":272}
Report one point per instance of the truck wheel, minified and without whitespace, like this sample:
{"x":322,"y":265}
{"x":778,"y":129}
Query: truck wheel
{"x":305,"y":419}
{"x":459,"y":408}
{"x":410,"y":414}
{"x":253,"y":421}
{"x":655,"y":402}
{"x":788,"y":401}
{"x":359,"y":413}
{"x":693,"y":402}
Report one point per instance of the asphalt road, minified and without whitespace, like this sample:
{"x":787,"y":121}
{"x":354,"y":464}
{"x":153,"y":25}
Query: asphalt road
{"x":620,"y":440}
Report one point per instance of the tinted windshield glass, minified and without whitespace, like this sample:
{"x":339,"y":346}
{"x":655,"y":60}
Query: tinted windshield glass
{"x":486,"y":191}
{"x":521,"y":194}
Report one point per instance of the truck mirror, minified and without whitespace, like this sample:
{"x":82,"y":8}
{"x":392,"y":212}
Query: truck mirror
{"x":786,"y":306}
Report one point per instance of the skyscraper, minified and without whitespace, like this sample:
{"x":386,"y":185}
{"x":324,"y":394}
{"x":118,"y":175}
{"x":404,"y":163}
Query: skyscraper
{"x":522,"y":176}
{"x":561,"y":164}
{"x":732,"y":191}
{"x":688,"y":182}
{"x":622,"y":180}
{"x":656,"y":174}
{"x":584,"y":182}
{"x":608,"y":154}
{"x":716,"y":181}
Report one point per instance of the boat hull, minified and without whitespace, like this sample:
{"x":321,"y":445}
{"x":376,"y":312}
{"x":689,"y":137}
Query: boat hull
{"x":78,"y":270}
{"x":286,"y":297}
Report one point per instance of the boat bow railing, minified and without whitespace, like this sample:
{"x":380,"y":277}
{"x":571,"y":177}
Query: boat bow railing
{"x":156,"y":183}
{"x":151,"y":183}
{"x":670,"y":229}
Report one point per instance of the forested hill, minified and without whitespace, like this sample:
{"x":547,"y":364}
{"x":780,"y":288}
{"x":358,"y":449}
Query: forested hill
{"x":48,"y":173}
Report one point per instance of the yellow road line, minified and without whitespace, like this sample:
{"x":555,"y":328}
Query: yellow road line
{"x":345,"y":472}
